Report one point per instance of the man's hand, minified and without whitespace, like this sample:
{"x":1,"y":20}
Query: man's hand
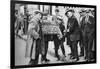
{"x":35,"y":34}
{"x":67,"y":30}
{"x":60,"y":36}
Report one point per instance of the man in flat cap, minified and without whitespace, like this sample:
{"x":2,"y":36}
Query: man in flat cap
{"x":90,"y":12}
{"x":93,"y":12}
{"x":88,"y":30}
{"x":73,"y":33}
{"x":56,"y":15}
{"x":82,"y":13}
{"x":34,"y":38}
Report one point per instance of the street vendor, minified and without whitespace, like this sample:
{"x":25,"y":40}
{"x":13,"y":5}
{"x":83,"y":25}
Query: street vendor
{"x":51,"y":32}
{"x":45,"y":20}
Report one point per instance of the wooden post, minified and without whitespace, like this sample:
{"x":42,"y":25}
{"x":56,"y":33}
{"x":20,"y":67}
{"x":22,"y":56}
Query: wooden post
{"x":51,"y":10}
{"x":43,"y":8}
{"x":39,"y":7}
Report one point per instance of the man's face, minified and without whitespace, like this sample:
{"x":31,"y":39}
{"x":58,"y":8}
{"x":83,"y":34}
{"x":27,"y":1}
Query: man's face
{"x":82,"y":14}
{"x":46,"y":11}
{"x":69,"y":14}
{"x":56,"y":12}
{"x":90,"y":13}
{"x":39,"y":15}
{"x":93,"y":13}
{"x":59,"y":21}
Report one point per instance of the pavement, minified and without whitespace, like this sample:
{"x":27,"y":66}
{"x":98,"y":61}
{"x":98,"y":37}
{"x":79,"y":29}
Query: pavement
{"x":20,"y":47}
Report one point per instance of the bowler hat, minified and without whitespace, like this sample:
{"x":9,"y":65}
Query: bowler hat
{"x":70,"y":10}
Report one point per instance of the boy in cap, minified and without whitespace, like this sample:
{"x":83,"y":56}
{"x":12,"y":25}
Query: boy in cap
{"x":59,"y":42}
{"x":58,"y":19}
{"x":62,"y":40}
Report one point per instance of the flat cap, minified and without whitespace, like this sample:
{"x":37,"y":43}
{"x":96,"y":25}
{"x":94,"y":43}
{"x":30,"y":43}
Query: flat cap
{"x":59,"y":17}
{"x":82,"y":10}
{"x":57,"y":10}
{"x":38,"y":11}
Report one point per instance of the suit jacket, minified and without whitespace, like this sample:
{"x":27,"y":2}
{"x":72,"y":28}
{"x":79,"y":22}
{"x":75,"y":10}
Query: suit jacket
{"x":88,"y":25}
{"x":73,"y":27}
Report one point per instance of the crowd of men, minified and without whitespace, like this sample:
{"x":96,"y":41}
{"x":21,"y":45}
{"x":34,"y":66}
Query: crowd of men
{"x":82,"y":32}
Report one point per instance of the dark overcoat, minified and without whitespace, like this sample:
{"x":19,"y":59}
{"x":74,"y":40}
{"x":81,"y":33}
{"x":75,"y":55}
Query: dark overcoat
{"x":74,"y":30}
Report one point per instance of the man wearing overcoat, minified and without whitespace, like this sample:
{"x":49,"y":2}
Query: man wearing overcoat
{"x":33,"y":43}
{"x":73,"y":33}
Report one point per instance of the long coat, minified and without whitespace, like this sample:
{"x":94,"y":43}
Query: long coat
{"x":88,"y":34}
{"x":32,"y":36}
{"x":73,"y":29}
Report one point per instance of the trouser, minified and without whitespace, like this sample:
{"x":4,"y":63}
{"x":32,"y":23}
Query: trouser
{"x":56,"y":48}
{"x":81,"y":47}
{"x":46,"y":50}
{"x":70,"y":45}
{"x":88,"y":42}
{"x":56,"y":44}
{"x":62,"y":47}
{"x":71,"y":48}
{"x":38,"y":45}
{"x":74,"y":48}
{"x":93,"y":50}
{"x":94,"y":47}
{"x":81,"y":44}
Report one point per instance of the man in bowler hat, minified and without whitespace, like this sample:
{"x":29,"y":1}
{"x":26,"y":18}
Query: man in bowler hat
{"x":73,"y":33}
